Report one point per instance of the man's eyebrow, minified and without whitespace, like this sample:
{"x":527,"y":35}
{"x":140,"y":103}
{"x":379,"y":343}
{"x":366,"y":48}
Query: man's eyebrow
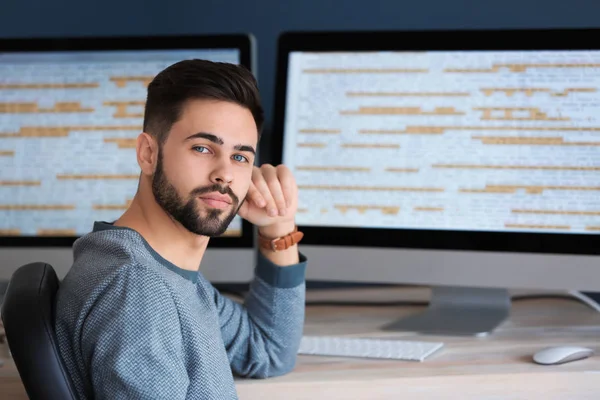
{"x":215,"y":139}
{"x":207,"y":136}
{"x":243,"y":147}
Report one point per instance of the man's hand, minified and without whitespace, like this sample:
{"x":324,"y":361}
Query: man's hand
{"x":272,"y":199}
{"x":271,"y":204}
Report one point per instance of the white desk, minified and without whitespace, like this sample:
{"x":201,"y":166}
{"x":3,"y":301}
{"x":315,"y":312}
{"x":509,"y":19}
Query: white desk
{"x":495,"y":367}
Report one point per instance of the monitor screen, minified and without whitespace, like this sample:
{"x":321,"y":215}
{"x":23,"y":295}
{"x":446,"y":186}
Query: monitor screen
{"x":478,"y":140}
{"x":68,"y":126}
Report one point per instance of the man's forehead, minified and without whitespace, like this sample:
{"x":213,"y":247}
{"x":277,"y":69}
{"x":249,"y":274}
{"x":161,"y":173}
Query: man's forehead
{"x":228,"y":121}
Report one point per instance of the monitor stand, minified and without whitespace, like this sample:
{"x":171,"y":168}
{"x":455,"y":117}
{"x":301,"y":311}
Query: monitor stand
{"x":458,"y":311}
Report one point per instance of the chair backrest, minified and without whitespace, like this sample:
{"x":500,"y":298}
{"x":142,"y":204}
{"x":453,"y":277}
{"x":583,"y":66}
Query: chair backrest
{"x":28,"y":318}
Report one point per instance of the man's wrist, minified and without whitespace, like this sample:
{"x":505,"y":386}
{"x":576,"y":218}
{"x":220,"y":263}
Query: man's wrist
{"x":277,"y":230}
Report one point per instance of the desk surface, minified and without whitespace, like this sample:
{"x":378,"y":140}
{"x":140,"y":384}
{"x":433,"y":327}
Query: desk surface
{"x":496,"y":366}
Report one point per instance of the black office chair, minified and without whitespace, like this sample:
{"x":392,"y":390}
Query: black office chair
{"x":28,"y":317}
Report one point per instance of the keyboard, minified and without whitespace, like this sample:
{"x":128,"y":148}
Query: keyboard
{"x":368,"y":348}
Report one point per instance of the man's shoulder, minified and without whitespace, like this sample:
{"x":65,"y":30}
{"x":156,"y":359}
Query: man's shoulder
{"x":101,"y":253}
{"x":103,"y":258}
{"x":105,"y":244}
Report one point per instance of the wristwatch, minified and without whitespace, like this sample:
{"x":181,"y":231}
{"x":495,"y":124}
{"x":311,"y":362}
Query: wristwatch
{"x":282,"y":242}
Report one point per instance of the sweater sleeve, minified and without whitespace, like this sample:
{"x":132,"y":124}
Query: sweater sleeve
{"x":263,"y":335}
{"x":132,"y":342}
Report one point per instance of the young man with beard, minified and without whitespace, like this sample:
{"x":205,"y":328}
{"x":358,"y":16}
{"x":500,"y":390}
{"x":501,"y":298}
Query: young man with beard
{"x":135,"y":318}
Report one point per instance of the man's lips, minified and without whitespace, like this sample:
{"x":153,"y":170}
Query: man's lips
{"x":216,"y":200}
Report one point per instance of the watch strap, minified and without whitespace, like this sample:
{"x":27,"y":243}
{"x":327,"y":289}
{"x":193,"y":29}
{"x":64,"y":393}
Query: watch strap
{"x":282,"y":242}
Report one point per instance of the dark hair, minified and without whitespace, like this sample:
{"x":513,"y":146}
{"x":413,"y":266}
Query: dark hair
{"x":187,"y":80}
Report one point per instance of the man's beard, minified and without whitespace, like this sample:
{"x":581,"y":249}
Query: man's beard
{"x":186,"y":212}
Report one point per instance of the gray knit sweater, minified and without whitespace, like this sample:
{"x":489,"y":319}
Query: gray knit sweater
{"x":132,"y":325}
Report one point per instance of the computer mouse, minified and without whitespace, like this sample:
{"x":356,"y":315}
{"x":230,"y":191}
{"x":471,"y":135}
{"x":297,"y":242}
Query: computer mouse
{"x":561,"y":354}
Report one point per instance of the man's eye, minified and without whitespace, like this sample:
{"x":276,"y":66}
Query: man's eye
{"x":200,"y":149}
{"x":240,"y":158}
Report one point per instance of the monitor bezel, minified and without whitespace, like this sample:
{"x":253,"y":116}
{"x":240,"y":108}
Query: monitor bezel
{"x":432,"y":40}
{"x":243,"y":42}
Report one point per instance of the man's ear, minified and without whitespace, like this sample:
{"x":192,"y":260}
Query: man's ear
{"x":147,"y":153}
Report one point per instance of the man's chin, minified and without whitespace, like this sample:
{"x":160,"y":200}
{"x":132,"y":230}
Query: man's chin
{"x":214,"y":234}
{"x":207,"y":233}
{"x":212,"y":231}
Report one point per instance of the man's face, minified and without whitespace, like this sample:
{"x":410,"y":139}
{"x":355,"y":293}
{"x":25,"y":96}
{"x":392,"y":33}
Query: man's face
{"x":204,"y":168}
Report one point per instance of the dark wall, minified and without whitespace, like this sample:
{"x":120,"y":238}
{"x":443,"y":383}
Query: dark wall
{"x":267,"y":18}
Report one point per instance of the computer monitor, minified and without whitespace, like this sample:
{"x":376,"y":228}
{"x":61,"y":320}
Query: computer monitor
{"x":70,"y":112}
{"x":464,"y":160}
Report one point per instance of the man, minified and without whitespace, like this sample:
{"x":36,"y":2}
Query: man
{"x":135,"y":317}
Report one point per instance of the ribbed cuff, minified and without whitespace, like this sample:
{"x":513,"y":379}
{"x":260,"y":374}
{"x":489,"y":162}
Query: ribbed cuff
{"x":281,"y":277}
